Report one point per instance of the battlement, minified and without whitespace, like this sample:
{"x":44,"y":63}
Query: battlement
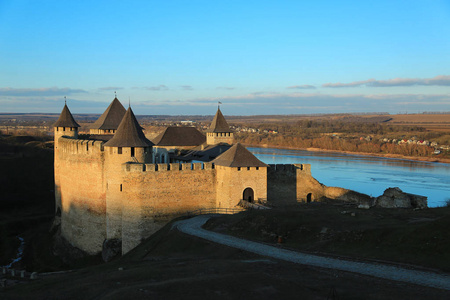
{"x":289,"y":168}
{"x":78,"y":146}
{"x":173,"y":167}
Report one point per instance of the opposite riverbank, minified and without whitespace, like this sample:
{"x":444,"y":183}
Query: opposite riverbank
{"x":386,"y":155}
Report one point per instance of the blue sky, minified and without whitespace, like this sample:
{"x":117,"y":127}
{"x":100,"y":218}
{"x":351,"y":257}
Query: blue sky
{"x":256,"y":57}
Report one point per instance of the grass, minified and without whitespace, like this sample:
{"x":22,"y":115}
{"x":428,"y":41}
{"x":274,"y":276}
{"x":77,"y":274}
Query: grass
{"x":396,"y":235}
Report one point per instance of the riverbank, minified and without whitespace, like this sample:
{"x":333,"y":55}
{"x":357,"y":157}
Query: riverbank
{"x":386,"y":155}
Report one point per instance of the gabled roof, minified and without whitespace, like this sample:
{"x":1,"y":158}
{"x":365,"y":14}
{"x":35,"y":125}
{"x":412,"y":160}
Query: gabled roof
{"x":129,"y":133}
{"x":219,"y":124}
{"x":66,"y":119}
{"x":238,"y":156}
{"x":180,"y":136}
{"x":112,"y":116}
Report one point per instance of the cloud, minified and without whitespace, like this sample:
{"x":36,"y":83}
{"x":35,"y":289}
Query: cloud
{"x":160,"y":87}
{"x":302,"y":87}
{"x":440,"y":80}
{"x":225,"y":88}
{"x":187,"y":87}
{"x":111,"y":88}
{"x":39,"y":92}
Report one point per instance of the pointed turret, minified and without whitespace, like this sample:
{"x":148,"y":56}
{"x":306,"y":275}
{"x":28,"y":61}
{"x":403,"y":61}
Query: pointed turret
{"x":219,"y":131}
{"x":66,"y":119}
{"x":219,"y":124}
{"x":129,"y":133}
{"x":110,"y":120}
{"x":238,"y":156}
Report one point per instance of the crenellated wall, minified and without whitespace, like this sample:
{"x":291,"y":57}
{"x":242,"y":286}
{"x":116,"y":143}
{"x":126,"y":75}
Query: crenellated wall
{"x":117,"y":193}
{"x":156,"y":193}
{"x":231,"y":183}
{"x":81,"y":180}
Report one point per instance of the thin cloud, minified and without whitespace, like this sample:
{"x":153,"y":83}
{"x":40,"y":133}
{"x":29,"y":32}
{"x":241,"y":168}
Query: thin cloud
{"x":160,"y":87}
{"x":225,"y":88}
{"x":39,"y":92}
{"x":302,"y":87}
{"x":440,"y":80}
{"x":187,"y":87}
{"x":111,"y":88}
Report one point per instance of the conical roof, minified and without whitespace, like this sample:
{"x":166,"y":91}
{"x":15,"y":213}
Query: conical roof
{"x":180,"y":136}
{"x":238,"y":156}
{"x":66,"y":119}
{"x":129,"y":133}
{"x":219,"y":124}
{"x":112,"y":116}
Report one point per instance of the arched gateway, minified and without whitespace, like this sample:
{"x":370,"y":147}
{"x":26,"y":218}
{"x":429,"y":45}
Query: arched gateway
{"x":248,"y":195}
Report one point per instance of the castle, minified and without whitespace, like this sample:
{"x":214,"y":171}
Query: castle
{"x":117,"y":185}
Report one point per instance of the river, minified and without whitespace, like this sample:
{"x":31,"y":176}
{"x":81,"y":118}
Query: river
{"x":367,"y":174}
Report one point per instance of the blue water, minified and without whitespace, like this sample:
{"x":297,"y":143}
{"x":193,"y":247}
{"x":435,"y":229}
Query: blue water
{"x":369,"y":175}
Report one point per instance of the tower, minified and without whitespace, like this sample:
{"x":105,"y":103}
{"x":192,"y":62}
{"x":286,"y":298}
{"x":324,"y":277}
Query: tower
{"x":219,"y":131}
{"x":129,"y":144}
{"x":110,"y":120}
{"x":64,"y":126}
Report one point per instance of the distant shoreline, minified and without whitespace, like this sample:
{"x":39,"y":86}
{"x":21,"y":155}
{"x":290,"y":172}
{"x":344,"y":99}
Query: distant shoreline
{"x":386,"y":155}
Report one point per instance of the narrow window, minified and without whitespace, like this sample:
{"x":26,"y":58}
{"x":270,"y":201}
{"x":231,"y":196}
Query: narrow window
{"x":257,"y":168}
{"x":248,"y":168}
{"x":120,"y":187}
{"x":64,"y":128}
{"x":132,"y":151}
{"x":119,"y":150}
{"x":239,"y":168}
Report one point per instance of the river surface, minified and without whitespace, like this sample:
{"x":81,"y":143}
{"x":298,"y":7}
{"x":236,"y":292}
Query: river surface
{"x":366,"y":174}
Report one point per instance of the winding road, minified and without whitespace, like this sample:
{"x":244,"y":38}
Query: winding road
{"x":193,"y":226}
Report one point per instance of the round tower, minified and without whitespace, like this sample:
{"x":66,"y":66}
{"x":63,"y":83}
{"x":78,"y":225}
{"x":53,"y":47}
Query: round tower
{"x":64,"y":126}
{"x":129,"y":144}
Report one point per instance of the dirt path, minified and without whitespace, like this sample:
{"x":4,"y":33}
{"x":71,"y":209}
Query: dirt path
{"x":193,"y":227}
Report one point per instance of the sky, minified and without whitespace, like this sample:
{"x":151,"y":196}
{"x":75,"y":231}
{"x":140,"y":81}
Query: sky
{"x":255,"y":57}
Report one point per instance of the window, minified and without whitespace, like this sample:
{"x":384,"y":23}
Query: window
{"x":257,"y":168}
{"x":119,"y":150}
{"x":239,"y":168}
{"x":120,"y":187}
{"x":132,"y":151}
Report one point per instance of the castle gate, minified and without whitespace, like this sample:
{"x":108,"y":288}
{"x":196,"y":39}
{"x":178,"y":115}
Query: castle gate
{"x":248,"y":195}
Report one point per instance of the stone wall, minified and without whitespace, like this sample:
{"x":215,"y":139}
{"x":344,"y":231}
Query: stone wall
{"x":81,"y":182}
{"x":231,"y":183}
{"x":153,"y":194}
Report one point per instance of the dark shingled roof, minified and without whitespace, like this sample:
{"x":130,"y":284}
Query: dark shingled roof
{"x":204,"y":152}
{"x":129,"y":133}
{"x":238,"y":156}
{"x":219,"y":124}
{"x":66,"y":119}
{"x":180,"y":136}
{"x":112,"y":116}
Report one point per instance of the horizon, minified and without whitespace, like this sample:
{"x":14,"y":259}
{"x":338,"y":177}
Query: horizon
{"x":257,"y":58}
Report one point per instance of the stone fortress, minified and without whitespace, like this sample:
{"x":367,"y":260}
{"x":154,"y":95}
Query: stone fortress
{"x":117,"y":185}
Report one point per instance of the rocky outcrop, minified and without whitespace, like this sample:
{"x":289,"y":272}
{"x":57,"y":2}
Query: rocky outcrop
{"x":396,"y":198}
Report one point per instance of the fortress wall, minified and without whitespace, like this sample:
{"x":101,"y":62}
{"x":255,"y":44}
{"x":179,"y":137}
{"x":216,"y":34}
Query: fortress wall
{"x":81,"y":179}
{"x":156,"y":193}
{"x":231,"y":183}
{"x":282,"y":185}
{"x":308,"y":188}
{"x":115,"y":157}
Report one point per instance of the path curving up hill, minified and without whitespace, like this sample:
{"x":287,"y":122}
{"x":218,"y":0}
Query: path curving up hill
{"x":193,"y":226}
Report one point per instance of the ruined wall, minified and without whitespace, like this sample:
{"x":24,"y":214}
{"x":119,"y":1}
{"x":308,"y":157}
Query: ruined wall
{"x":81,"y":181}
{"x":156,"y":193}
{"x":231,"y":183}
